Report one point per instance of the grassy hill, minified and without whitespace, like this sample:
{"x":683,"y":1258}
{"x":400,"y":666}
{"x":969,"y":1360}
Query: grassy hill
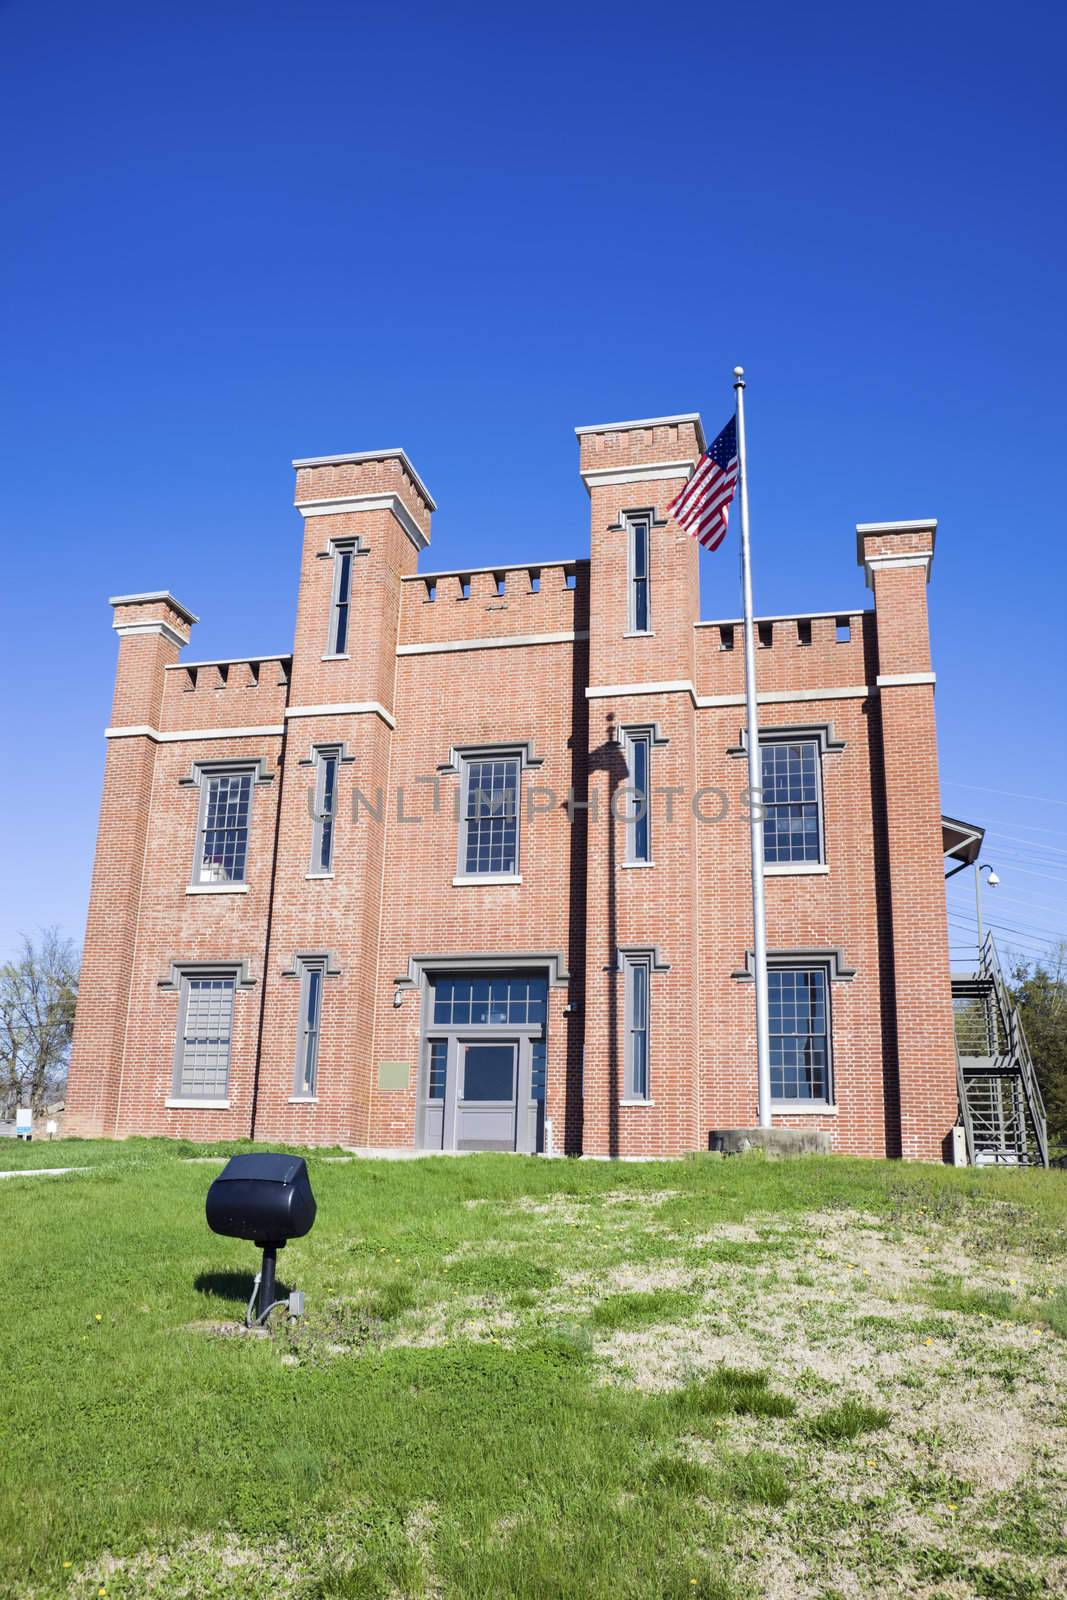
{"x":525,"y":1378}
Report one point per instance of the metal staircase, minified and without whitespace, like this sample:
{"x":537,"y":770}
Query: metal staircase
{"x":1001,"y":1108}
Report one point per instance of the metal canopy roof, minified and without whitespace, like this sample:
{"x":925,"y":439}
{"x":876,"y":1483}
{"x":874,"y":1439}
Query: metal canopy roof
{"x":961,"y":841}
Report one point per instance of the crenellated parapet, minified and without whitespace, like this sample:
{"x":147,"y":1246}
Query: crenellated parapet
{"x":483,"y":604}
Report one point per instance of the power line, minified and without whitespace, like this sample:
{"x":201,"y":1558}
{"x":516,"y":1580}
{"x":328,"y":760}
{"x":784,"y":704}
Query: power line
{"x":1016,"y":935}
{"x":1031,"y":827}
{"x":1033,"y":844}
{"x":1018,"y":927}
{"x":1049,"y":874}
{"x":1010,"y":794}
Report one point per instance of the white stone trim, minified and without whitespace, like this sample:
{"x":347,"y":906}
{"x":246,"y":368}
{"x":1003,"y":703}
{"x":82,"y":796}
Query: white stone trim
{"x":468,"y":879}
{"x":785,"y":697}
{"x":229,"y":661}
{"x":914,"y":558}
{"x":370,"y":455}
{"x":901,"y":680}
{"x":153,"y":594}
{"x":173,"y":1103}
{"x":795,"y":869}
{"x":490,"y":644}
{"x":769,"y":697}
{"x":783,"y":1109}
{"x":637,"y":1102}
{"x":671,"y":686}
{"x":368,"y":502}
{"x":918,"y":525}
{"x":217,"y":888}
{"x":130,"y":630}
{"x":653,"y":472}
{"x":351,"y":708}
{"x":642,"y":422}
{"x":142,"y":730}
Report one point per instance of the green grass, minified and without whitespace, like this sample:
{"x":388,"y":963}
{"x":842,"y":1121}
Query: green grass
{"x":635,"y":1310}
{"x":730,"y":1393}
{"x":450,"y":1417}
{"x":847,"y":1420}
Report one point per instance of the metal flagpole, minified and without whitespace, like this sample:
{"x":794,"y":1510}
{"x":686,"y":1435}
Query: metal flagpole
{"x":755,"y":780}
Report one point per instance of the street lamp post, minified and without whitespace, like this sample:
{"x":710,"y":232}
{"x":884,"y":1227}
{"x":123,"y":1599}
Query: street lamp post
{"x":979,"y":868}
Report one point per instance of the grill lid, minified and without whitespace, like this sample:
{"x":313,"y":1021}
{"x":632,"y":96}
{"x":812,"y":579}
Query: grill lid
{"x":270,"y":1167}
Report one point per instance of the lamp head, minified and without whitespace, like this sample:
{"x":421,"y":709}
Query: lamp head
{"x":992,"y":880}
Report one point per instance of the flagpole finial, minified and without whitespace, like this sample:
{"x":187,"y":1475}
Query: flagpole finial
{"x":739,"y":374}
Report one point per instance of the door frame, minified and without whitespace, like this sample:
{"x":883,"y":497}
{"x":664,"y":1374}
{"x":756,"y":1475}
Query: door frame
{"x":528,"y":1118}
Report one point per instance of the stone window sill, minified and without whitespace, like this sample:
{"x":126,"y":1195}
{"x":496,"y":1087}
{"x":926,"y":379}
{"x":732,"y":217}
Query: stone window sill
{"x":637,"y":1102}
{"x":639,"y":633}
{"x":486,"y":877}
{"x":217,"y":888}
{"x":628,"y":866}
{"x":303,"y":1099}
{"x":335,"y":658}
{"x":795,"y":869}
{"x":781,"y":1109}
{"x":318,"y":877}
{"x":177,"y":1104}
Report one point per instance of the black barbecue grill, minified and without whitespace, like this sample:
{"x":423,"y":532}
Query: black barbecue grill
{"x":267,"y":1199}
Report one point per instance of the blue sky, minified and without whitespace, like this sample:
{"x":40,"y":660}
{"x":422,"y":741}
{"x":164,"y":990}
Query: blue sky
{"x":237,"y":234}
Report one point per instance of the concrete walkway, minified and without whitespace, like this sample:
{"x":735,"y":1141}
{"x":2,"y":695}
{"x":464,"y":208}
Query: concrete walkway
{"x":41,"y":1172}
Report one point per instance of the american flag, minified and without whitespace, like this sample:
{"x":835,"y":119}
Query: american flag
{"x":703,"y":507}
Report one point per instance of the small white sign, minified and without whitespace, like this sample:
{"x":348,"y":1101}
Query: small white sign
{"x":51,"y":1127}
{"x":23,"y":1123}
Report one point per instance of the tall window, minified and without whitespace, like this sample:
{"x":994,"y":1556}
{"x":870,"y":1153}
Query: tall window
{"x":222,"y":839}
{"x":792,"y":819}
{"x":326,"y":763}
{"x":307,"y":1053}
{"x":342,"y":599}
{"x":639,"y":608}
{"x":637,"y":748}
{"x":202,"y":1069}
{"x":799,"y":1035}
{"x":489,"y":827}
{"x":438,"y":1069}
{"x":637,"y":969}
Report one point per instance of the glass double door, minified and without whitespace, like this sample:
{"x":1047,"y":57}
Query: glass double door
{"x":482,"y":1075}
{"x":478,"y":1094}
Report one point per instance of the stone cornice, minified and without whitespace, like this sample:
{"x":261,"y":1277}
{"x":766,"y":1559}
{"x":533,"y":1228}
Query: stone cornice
{"x":346,"y":505}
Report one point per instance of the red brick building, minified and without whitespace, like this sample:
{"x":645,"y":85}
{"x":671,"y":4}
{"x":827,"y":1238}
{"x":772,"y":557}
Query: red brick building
{"x":401,"y":887}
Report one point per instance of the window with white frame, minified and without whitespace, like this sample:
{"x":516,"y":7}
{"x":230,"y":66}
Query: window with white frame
{"x":342,"y":597}
{"x":489,"y":816}
{"x":799,"y":1006}
{"x":637,"y":749}
{"x":222,"y":830}
{"x":637,"y":973}
{"x":312,"y":971}
{"x":327,"y":760}
{"x":639,"y":614}
{"x":205,"y":1029}
{"x":792,"y":800}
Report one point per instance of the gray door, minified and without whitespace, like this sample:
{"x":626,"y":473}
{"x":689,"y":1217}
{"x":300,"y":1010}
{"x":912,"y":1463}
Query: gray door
{"x":486,"y":1101}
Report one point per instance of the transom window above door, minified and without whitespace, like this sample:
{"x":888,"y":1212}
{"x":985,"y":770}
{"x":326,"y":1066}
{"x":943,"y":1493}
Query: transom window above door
{"x":470,"y":1001}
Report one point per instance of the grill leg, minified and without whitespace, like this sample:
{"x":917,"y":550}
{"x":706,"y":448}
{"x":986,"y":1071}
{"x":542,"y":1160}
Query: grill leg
{"x":266,"y":1280}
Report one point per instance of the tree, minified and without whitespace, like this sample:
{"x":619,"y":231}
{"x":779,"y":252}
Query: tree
{"x":1040,"y":990}
{"x":38,"y":990}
